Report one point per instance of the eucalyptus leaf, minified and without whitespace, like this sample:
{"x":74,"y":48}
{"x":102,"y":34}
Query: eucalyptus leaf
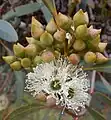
{"x":106,"y":67}
{"x":22,"y":10}
{"x":7,"y":32}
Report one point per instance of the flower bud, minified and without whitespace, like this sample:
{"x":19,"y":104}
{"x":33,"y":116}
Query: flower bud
{"x":74,"y":58}
{"x":41,"y":96}
{"x":101,"y":58}
{"x":79,"y":45}
{"x":46,"y":39}
{"x":26,"y":62}
{"x":31,"y":50}
{"x":16,"y":65}
{"x":37,"y":60}
{"x":90,"y":57}
{"x":60,"y":36}
{"x":36,"y":28}
{"x":95,"y":41}
{"x":31,"y":40}
{"x":47,"y":56}
{"x":80,"y":18}
{"x":102,"y":46}
{"x":63,"y":21}
{"x":81,"y":32}
{"x":93,"y":32}
{"x":9,"y":59}
{"x":57,"y":54}
{"x":18,"y":50}
{"x":51,"y":26}
{"x":50,"y":101}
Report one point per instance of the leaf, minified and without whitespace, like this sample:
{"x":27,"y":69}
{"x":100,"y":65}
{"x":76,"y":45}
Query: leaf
{"x":96,"y":115}
{"x":107,"y":85}
{"x":7,"y":32}
{"x":106,"y":67}
{"x":19,"y":77}
{"x":22,"y":10}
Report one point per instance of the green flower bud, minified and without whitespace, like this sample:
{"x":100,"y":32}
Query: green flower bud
{"x":18,"y":50}
{"x":31,"y":50}
{"x":64,"y":21}
{"x":16,"y":65}
{"x":47,"y":56}
{"x":60,"y":36}
{"x":26,"y":62}
{"x":101,"y":58}
{"x":31,"y":40}
{"x":37,"y":60}
{"x":95,"y":41}
{"x":36,"y":28}
{"x":9,"y":59}
{"x":80,"y":18}
{"x":90,"y":57}
{"x":81,"y":32}
{"x":93,"y":32}
{"x":51,"y":26}
{"x":79,"y":45}
{"x":41,"y":96}
{"x":102,"y":46}
{"x":74,"y":58}
{"x":46,"y":39}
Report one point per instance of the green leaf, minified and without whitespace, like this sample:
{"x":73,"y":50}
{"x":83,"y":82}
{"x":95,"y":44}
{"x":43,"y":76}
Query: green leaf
{"x":96,"y":115}
{"x":7,"y":32}
{"x":106,"y":67}
{"x":19,"y":77}
{"x":22,"y":10}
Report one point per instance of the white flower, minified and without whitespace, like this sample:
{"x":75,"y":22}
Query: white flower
{"x":67,"y":83}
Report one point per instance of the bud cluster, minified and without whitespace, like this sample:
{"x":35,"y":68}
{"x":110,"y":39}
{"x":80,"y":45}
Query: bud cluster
{"x":49,"y":42}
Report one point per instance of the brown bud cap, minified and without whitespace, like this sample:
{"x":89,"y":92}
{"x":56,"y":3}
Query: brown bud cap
{"x":31,"y":50}
{"x":26,"y":62}
{"x":102,"y":46}
{"x":9,"y":59}
{"x":90,"y":57}
{"x":74,"y":58}
{"x":101,"y":58}
{"x":16,"y":65}
{"x":60,"y":36}
{"x":79,"y":45}
{"x":18,"y":50}
{"x":46,"y":39}
{"x":51,"y":26}
{"x":47,"y":56}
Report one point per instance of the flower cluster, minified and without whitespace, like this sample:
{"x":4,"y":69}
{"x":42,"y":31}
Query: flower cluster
{"x":65,"y":82}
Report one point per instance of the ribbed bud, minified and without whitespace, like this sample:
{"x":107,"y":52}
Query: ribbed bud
{"x":41,"y":96}
{"x":60,"y":36}
{"x":31,"y":50}
{"x":37,"y":60}
{"x":101,"y":58}
{"x":46,"y":39}
{"x":102,"y":46}
{"x":74,"y":58}
{"x":36,"y":28}
{"x":93,"y":32}
{"x":80,"y":18}
{"x":79,"y":45}
{"x":26,"y":62}
{"x":9,"y":59}
{"x":81,"y":32}
{"x":51,"y":26}
{"x":90,"y":57}
{"x":47,"y":56}
{"x":18,"y":50}
{"x":16,"y":65}
{"x":63,"y":21}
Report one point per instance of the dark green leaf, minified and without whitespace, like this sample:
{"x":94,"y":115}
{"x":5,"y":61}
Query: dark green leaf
{"x":22,"y":10}
{"x":106,"y":67}
{"x":96,"y":115}
{"x":7,"y":32}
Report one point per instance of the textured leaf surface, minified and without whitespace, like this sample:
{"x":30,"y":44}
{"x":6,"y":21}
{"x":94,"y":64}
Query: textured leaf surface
{"x":7,"y":32}
{"x":22,"y":10}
